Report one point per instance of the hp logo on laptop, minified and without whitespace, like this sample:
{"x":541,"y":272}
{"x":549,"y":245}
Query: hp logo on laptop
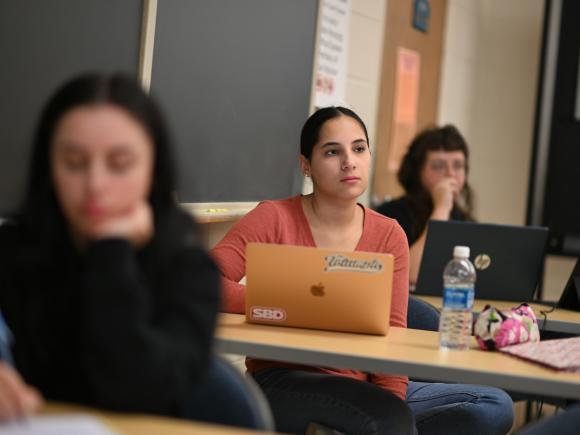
{"x":482,"y":261}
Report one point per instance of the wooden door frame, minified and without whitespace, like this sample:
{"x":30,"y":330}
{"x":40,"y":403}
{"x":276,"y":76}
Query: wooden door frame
{"x":399,"y":32}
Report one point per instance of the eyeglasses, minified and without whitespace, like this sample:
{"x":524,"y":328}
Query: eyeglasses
{"x":441,"y":166}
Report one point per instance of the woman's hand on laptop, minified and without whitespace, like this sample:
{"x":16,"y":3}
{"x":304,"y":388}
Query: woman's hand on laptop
{"x":17,"y":399}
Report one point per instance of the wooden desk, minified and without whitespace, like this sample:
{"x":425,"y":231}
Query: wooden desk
{"x":131,"y":424}
{"x":559,"y":320}
{"x":404,"y":351}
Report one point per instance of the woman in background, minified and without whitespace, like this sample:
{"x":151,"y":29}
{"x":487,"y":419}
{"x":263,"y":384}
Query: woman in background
{"x":434,"y":175}
{"x":335,"y":153}
{"x":110,"y":300}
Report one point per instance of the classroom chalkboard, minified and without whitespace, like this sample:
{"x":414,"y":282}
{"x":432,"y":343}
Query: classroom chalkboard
{"x":42,"y":44}
{"x":234,"y":78}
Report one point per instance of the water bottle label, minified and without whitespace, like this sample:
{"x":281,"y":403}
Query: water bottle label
{"x":458,"y":298}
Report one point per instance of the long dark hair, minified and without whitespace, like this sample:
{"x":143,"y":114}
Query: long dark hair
{"x":311,"y":129}
{"x":446,"y":138}
{"x":40,"y":213}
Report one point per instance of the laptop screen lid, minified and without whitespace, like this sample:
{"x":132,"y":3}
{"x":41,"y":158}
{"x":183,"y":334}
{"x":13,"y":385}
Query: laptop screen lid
{"x":570,"y":298}
{"x":508,"y":259}
{"x":318,"y":288}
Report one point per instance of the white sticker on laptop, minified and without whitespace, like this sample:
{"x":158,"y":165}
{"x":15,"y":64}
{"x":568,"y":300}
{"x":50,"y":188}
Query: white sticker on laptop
{"x":267,"y":313}
{"x":342,"y":263}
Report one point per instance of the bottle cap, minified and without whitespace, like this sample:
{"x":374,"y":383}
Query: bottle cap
{"x":461,"y":252}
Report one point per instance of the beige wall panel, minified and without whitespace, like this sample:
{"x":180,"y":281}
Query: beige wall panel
{"x":365,"y":47}
{"x":371,"y":8}
{"x":361,"y":97}
{"x":503,"y":107}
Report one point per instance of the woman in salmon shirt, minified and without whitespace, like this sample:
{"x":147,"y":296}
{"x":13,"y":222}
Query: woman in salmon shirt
{"x":335,"y":154}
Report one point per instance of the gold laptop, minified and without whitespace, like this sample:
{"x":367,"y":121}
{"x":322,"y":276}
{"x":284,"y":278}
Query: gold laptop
{"x":318,"y":288}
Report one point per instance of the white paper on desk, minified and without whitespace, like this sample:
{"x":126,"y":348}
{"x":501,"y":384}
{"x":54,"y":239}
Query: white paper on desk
{"x":56,"y":425}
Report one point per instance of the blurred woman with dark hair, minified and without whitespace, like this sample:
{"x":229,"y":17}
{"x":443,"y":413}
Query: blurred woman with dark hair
{"x":434,"y":176}
{"x":110,"y":299}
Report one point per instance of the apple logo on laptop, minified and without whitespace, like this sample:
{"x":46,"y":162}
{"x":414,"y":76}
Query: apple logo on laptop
{"x":317,"y":289}
{"x":482,"y":261}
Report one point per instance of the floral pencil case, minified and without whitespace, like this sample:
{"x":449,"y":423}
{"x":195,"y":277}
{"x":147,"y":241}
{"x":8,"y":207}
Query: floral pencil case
{"x":495,"y":329}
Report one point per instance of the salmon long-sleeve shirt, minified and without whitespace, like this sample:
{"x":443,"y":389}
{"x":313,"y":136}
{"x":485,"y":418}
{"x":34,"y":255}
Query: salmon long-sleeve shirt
{"x":284,"y":222}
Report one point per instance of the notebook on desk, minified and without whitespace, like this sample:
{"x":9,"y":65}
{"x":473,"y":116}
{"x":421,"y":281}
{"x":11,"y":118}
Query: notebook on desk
{"x":562,"y":354}
{"x":318,"y":288}
{"x":508,"y":259}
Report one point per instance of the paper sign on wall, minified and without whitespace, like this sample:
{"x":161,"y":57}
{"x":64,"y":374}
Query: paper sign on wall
{"x":406,"y":105}
{"x":330,"y":74}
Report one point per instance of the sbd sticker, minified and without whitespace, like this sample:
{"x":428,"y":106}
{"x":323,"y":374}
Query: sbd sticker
{"x":267,"y":313}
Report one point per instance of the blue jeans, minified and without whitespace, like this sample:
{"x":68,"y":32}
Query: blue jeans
{"x":459,"y":409}
{"x":5,"y":342}
{"x":355,"y":407}
{"x":298,"y":398}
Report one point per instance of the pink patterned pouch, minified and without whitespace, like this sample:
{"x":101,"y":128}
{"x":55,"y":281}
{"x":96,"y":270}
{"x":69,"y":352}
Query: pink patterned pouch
{"x":495,"y":329}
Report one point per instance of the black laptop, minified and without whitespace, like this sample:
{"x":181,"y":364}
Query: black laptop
{"x":508,"y":259}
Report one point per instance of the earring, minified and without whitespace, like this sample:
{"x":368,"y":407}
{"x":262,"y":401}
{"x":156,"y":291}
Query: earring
{"x":307,"y":174}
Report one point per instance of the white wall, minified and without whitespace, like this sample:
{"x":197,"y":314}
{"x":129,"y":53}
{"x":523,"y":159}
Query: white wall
{"x":490,"y":72}
{"x":365,"y":54}
{"x":489,"y":81}
{"x":459,"y":64}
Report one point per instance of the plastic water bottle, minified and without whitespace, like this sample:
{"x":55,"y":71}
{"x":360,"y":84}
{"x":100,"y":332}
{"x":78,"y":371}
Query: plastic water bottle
{"x":458,"y":293}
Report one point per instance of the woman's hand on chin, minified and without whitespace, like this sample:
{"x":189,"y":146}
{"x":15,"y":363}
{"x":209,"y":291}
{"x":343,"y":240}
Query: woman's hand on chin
{"x":135,"y":225}
{"x":443,"y":194}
